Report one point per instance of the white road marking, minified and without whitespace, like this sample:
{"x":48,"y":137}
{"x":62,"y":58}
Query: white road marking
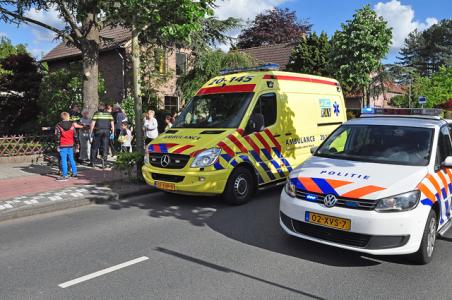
{"x":102,"y":272}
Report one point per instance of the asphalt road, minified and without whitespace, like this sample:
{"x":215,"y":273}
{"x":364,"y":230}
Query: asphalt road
{"x":175,"y":247}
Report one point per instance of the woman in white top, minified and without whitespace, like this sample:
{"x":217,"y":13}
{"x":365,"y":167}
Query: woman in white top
{"x":150,"y":127}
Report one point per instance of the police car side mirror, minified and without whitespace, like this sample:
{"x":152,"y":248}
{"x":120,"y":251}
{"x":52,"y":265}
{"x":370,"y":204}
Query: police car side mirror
{"x":314,"y":149}
{"x":447,"y":163}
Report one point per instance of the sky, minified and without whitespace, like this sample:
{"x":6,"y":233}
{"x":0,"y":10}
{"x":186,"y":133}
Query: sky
{"x":326,"y":15}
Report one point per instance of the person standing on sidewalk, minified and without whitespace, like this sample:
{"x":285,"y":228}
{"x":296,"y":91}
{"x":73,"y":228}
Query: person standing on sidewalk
{"x":125,"y":138}
{"x":83,"y":135}
{"x":111,"y":141}
{"x":150,"y":127}
{"x":65,"y":132}
{"x":101,"y":130}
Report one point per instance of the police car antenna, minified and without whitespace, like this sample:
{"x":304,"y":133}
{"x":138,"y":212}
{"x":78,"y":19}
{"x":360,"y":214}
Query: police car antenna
{"x":264,"y":67}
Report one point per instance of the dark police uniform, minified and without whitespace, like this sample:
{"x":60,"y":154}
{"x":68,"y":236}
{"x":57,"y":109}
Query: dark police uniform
{"x":101,"y":134}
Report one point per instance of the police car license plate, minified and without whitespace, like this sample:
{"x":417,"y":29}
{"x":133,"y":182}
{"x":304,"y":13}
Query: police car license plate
{"x":328,"y":221}
{"x":165,"y":185}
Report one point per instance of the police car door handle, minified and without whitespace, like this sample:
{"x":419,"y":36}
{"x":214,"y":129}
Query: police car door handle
{"x":277,"y":135}
{"x":288,"y":133}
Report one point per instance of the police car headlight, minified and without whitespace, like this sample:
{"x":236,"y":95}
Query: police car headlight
{"x":402,"y":202}
{"x":289,"y":188}
{"x":206,"y":158}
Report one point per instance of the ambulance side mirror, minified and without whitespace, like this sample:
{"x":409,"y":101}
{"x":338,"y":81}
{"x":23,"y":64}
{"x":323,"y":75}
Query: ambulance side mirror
{"x":314,"y":149}
{"x":447,"y":163}
{"x":255,"y":123}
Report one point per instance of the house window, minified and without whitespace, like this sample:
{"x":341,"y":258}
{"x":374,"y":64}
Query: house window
{"x":160,"y":60}
{"x":181,"y":63}
{"x":171,"y":103}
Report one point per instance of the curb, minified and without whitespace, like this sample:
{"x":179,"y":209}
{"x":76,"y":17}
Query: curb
{"x":48,"y":207}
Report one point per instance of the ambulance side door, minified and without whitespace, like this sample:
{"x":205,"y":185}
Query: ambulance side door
{"x":443,"y":150}
{"x":265,"y":140}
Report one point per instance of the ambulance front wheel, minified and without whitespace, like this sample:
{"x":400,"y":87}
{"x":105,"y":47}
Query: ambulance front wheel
{"x":240,"y":186}
{"x":425,"y":253}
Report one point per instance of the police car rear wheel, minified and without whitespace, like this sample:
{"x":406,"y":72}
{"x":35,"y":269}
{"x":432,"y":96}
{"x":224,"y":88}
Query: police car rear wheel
{"x":425,"y":253}
{"x":240,"y":186}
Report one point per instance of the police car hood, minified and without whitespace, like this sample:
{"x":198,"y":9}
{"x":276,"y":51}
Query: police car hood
{"x":352,"y":179}
{"x":188,"y":140}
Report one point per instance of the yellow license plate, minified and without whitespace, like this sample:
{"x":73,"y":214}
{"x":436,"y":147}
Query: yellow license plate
{"x":165,"y":185}
{"x":328,"y":221}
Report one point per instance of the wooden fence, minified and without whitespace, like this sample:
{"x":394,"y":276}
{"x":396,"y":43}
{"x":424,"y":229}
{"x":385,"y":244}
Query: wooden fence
{"x":25,"y":144}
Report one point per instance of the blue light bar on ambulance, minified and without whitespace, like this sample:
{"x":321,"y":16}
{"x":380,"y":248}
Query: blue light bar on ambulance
{"x":434,"y":112}
{"x":265,"y":67}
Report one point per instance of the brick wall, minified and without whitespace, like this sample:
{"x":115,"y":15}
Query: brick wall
{"x":110,"y":67}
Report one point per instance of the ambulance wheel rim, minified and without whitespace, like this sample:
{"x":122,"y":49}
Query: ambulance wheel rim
{"x":431,"y":237}
{"x":241,"y":186}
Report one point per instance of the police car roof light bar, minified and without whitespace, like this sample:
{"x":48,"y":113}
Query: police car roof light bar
{"x":265,"y":67}
{"x":375,"y":111}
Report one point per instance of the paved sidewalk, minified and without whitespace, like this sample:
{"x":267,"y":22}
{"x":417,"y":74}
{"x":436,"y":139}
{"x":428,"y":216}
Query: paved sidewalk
{"x":25,"y":179}
{"x":29,"y":189}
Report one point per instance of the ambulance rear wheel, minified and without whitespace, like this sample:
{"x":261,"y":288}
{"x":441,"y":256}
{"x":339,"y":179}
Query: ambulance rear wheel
{"x":240,"y":186}
{"x":425,"y":253}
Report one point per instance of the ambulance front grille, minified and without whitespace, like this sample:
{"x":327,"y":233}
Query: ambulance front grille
{"x":363,"y":204}
{"x":176,"y":161}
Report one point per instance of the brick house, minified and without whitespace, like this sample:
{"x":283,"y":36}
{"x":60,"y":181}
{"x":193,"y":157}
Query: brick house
{"x":115,"y":66}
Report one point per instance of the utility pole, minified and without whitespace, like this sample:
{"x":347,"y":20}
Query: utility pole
{"x":409,"y":91}
{"x":136,"y":89}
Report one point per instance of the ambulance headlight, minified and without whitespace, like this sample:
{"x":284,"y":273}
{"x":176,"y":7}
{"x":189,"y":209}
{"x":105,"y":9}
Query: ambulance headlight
{"x":206,"y":158}
{"x":401,"y":202}
{"x":289,"y":188}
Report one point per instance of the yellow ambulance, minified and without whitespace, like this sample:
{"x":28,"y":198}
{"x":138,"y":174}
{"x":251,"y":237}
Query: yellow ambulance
{"x":244,"y":130}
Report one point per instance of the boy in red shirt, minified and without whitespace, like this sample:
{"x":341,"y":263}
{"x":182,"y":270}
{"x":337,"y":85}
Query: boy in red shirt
{"x":65,"y":132}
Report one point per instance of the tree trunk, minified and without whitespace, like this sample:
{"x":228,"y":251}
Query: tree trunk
{"x":136,"y":90}
{"x":90,"y":60}
{"x":365,"y":102}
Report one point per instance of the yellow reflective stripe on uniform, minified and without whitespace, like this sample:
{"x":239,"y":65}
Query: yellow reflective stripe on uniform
{"x":103,"y":116}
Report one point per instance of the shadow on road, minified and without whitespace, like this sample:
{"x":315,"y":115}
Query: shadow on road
{"x":228,"y":270}
{"x":255,"y":223}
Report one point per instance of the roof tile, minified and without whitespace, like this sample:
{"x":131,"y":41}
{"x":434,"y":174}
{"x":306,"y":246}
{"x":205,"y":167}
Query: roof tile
{"x":116,"y":35}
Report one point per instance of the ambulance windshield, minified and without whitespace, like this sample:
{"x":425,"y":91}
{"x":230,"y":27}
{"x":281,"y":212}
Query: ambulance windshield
{"x":214,"y":111}
{"x":385,"y":144}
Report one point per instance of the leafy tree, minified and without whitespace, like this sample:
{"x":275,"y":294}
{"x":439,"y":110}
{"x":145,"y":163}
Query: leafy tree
{"x":208,"y":65}
{"x":164,"y":23}
{"x":7,"y":49}
{"x":59,"y":90}
{"x":311,"y":55}
{"x":428,"y":50}
{"x":83,"y":20}
{"x":357,"y":49}
{"x":437,"y":89}
{"x":19,"y":90}
{"x":273,"y":26}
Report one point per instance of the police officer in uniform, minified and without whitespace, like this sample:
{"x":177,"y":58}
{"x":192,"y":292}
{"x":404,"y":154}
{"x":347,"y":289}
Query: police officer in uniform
{"x":102,"y":127}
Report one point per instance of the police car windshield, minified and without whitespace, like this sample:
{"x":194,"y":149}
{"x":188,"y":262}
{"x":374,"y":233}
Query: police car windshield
{"x":384,"y":144}
{"x":214,"y":111}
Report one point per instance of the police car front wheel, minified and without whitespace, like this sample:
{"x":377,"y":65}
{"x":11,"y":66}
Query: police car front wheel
{"x":240,"y":186}
{"x":425,"y":253}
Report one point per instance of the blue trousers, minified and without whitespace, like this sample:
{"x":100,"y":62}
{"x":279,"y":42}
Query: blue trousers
{"x":65,"y":154}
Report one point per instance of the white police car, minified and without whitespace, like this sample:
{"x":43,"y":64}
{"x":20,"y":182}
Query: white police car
{"x":380,"y":184}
